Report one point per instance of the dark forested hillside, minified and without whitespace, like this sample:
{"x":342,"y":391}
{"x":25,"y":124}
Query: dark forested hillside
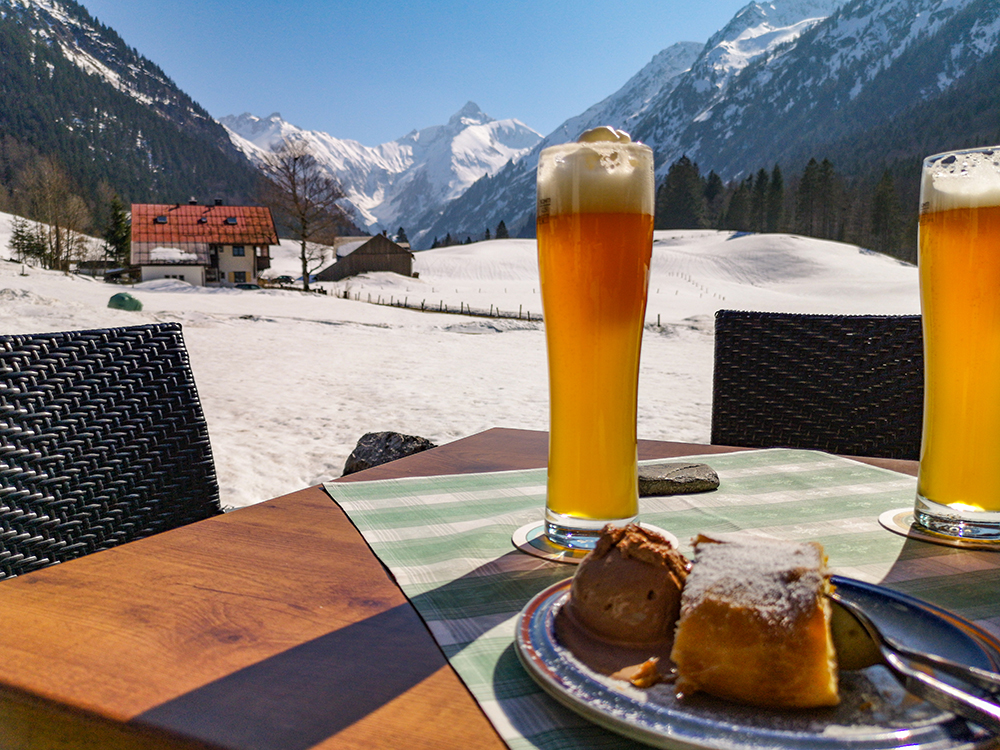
{"x":72,"y":90}
{"x":966,"y":115}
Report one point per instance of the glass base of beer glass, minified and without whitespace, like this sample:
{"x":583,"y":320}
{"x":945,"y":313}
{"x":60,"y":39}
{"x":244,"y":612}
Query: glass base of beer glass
{"x":578,"y":533}
{"x":960,"y":524}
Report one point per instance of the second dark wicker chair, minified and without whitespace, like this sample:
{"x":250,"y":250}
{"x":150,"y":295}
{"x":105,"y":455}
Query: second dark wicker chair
{"x":102,"y":441}
{"x":844,"y":384}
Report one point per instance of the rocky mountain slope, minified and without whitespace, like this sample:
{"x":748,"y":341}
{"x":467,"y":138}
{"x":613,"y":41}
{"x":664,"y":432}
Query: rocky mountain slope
{"x":74,"y":90}
{"x":862,"y":66}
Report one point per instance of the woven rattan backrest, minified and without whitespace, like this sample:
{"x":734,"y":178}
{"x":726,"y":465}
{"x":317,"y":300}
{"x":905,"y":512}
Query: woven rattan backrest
{"x":102,"y":441}
{"x":839,"y":383}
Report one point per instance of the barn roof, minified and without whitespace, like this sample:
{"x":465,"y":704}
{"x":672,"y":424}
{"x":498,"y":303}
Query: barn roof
{"x":179,"y":224}
{"x":378,"y":245}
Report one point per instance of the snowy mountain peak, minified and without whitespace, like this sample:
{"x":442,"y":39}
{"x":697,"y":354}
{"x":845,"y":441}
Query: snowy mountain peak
{"x":266,"y":132}
{"x":773,"y":15}
{"x":755,"y":31}
{"x":470,"y":114}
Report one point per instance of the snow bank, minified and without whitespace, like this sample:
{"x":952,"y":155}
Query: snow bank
{"x":290,"y":381}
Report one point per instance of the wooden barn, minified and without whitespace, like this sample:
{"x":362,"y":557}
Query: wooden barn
{"x":377,"y":254}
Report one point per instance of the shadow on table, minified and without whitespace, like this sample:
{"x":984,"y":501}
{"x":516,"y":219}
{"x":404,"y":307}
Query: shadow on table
{"x":930,"y":572}
{"x":295,"y":699}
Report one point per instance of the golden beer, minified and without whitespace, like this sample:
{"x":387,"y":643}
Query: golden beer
{"x":958,"y":490}
{"x":595,"y":232}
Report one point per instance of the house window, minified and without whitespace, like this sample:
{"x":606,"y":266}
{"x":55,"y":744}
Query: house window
{"x":238,"y":251}
{"x":178,"y":276}
{"x":231,"y":220}
{"x":239,"y":277}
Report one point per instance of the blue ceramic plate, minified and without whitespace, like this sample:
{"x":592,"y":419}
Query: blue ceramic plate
{"x":875,"y":712}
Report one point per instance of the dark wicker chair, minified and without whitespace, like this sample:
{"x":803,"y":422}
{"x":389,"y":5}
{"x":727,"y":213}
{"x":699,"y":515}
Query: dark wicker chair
{"x":102,"y":441}
{"x":844,"y":384}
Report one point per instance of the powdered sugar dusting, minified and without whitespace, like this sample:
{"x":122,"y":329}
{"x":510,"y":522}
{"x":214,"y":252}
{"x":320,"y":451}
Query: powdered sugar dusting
{"x":780,"y":581}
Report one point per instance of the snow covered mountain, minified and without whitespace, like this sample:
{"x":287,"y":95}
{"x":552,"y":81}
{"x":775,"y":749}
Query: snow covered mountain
{"x":704,"y":69}
{"x":782,"y":82}
{"x":509,"y":195}
{"x":859,"y":67}
{"x":406,"y":181}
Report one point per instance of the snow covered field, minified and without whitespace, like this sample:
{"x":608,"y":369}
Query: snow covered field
{"x":289,"y":381}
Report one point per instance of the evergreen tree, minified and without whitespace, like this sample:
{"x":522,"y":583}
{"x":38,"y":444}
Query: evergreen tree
{"x":401,"y":236}
{"x":829,"y":201}
{"x":117,"y":234}
{"x":738,"y":210}
{"x":26,"y":241}
{"x":715,"y":197}
{"x":774,"y":213}
{"x":758,"y":201}
{"x":447,"y":241}
{"x":807,"y":201}
{"x":885,"y":215}
{"x":501,"y":233}
{"x":435,"y":243}
{"x":680,"y":199}
{"x":487,"y":235}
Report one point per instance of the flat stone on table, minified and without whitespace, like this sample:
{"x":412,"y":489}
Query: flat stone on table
{"x":676,"y":479}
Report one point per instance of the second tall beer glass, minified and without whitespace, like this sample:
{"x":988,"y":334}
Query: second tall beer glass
{"x":595,"y":234}
{"x":958,"y":490}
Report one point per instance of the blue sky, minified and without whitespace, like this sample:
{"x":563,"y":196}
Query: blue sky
{"x":373,"y":70}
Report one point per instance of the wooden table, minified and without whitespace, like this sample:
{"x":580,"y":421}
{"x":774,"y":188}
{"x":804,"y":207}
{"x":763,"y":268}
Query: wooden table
{"x":273,"y":627}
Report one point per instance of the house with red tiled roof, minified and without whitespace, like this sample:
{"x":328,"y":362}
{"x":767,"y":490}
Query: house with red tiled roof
{"x":202,"y":245}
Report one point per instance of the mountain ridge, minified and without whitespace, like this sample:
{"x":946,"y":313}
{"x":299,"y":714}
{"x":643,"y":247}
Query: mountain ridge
{"x":786,"y":81}
{"x":781,"y":102}
{"x":703,"y":70}
{"x":399,"y":182}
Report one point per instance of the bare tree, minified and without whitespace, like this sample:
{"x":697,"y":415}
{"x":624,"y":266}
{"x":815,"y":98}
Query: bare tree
{"x":305,"y":196}
{"x":61,"y":213}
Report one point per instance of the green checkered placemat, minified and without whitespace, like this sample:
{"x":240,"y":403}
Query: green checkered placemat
{"x":447,"y":541}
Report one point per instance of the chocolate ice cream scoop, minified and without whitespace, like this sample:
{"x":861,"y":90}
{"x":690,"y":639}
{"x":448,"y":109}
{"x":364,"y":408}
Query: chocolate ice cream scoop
{"x":628,"y":589}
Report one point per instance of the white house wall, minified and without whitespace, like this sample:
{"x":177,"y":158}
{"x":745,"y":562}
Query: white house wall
{"x":191,"y":274}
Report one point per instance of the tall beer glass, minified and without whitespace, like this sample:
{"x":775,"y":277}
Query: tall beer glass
{"x":595,"y":236}
{"x":958,"y":490}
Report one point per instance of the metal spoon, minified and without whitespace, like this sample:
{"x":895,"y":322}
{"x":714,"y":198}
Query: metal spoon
{"x":860,"y":644}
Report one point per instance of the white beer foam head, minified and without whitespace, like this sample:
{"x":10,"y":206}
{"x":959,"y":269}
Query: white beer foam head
{"x":961,"y":179}
{"x":602,"y":172}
